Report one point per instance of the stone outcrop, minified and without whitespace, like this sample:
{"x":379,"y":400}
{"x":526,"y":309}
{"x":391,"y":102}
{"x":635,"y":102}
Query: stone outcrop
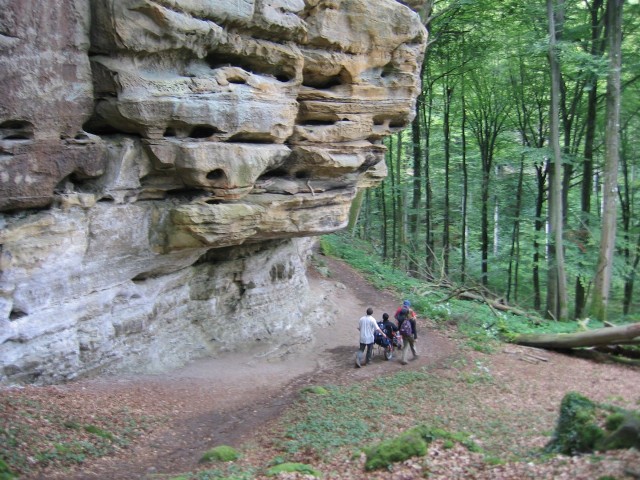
{"x":165,"y":163}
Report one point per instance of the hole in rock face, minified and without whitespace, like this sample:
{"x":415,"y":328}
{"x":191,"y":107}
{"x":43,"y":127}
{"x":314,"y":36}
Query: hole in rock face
{"x":278,"y":172}
{"x":317,"y":122}
{"x":237,"y":80}
{"x":302,"y":174}
{"x":203,"y":131}
{"x":387,"y":70}
{"x":251,"y":137}
{"x":97,"y":127}
{"x":252,"y":64}
{"x":217,"y":174}
{"x":16,"y":130}
{"x":170,"y":132}
{"x":321,"y":82}
{"x":16,"y":314}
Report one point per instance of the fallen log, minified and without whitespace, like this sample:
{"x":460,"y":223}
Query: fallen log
{"x":626,"y":334}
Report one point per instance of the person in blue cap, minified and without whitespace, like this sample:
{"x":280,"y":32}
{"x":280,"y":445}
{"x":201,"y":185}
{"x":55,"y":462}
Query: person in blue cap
{"x":409,"y":333}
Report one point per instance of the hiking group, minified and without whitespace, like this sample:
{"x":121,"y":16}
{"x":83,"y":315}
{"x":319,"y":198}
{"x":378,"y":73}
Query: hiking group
{"x":406,"y":328}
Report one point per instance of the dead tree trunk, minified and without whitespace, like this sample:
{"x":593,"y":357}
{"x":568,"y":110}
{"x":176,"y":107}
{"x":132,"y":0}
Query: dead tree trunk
{"x":624,"y":335}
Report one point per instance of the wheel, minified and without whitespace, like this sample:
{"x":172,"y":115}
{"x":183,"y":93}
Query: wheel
{"x":388,"y":353}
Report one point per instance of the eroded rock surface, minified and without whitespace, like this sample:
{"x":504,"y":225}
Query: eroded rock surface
{"x":163,"y":164}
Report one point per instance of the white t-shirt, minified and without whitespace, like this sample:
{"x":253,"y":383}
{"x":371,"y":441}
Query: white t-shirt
{"x":367,"y":327}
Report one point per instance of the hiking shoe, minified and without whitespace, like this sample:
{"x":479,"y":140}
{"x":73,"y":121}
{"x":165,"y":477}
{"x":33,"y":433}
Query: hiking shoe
{"x":404,"y":363}
{"x":358,"y":359}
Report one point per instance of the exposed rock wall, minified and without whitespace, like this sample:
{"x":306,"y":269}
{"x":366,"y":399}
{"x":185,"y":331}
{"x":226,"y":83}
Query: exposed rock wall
{"x":163,"y":164}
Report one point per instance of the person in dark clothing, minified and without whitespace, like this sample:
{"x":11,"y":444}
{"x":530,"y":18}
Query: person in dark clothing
{"x":387,"y":325}
{"x":409,"y":335}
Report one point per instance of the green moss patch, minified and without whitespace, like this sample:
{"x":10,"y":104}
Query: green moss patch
{"x":410,"y":443}
{"x":221,"y":453}
{"x":316,"y":390}
{"x":293,"y":467}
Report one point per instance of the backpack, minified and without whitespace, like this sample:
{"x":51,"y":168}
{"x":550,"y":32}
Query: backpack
{"x":405,"y":329}
{"x":404,"y":312}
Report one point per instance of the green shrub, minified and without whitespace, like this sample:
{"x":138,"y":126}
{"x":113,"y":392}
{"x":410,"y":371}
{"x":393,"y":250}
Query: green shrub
{"x":293,"y":467}
{"x":221,"y":453}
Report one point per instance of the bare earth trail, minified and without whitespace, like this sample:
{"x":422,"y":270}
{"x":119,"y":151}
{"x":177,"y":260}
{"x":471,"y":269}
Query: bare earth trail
{"x":226,"y":399}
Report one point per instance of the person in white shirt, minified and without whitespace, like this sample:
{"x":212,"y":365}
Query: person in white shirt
{"x":367,"y":326}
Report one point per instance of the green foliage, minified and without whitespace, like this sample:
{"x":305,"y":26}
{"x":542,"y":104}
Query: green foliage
{"x":5,"y":473}
{"x":293,"y":467}
{"x":221,"y":453}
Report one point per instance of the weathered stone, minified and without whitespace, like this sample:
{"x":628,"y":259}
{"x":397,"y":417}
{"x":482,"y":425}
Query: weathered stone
{"x":162,"y":163}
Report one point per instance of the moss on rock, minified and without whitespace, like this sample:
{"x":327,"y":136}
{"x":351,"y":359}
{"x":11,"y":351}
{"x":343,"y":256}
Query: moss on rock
{"x":585,"y":426}
{"x":221,"y":453}
{"x":577,"y":430}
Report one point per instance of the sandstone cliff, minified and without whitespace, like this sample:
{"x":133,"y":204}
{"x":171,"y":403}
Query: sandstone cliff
{"x":164,"y":165}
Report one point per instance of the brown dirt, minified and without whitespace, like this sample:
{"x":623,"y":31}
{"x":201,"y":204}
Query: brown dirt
{"x":228,"y":400}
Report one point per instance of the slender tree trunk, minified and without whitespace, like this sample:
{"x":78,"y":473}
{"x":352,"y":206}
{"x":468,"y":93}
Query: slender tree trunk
{"x":602,"y":281}
{"x":515,"y":235}
{"x":465,"y":184}
{"x":385,"y":221}
{"x":429,"y":245}
{"x":416,"y":135}
{"x":393,"y":198}
{"x":402,"y":205}
{"x":538,"y":228}
{"x":557,"y":286}
{"x":448,"y":93}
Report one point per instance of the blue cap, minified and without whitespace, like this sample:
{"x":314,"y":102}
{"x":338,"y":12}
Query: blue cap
{"x":406,"y":303}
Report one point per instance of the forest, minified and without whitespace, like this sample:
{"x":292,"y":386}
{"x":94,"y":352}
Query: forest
{"x":518,"y":178}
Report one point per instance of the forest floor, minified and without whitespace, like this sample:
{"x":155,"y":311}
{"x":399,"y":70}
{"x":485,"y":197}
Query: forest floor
{"x":239,"y":399}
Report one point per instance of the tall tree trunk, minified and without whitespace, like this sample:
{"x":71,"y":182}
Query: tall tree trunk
{"x":393,"y":197}
{"x":557,"y":286}
{"x":465,"y":184}
{"x":583,"y":235}
{"x":602,"y":281}
{"x":402,"y":205}
{"x":429,"y":244}
{"x":515,"y":236}
{"x":448,"y":93}
{"x":385,"y":221}
{"x":416,"y":135}
{"x":541,"y":175}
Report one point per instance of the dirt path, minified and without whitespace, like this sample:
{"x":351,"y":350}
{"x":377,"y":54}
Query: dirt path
{"x":224,"y":400}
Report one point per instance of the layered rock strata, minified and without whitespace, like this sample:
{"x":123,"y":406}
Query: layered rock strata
{"x":163,"y":164}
